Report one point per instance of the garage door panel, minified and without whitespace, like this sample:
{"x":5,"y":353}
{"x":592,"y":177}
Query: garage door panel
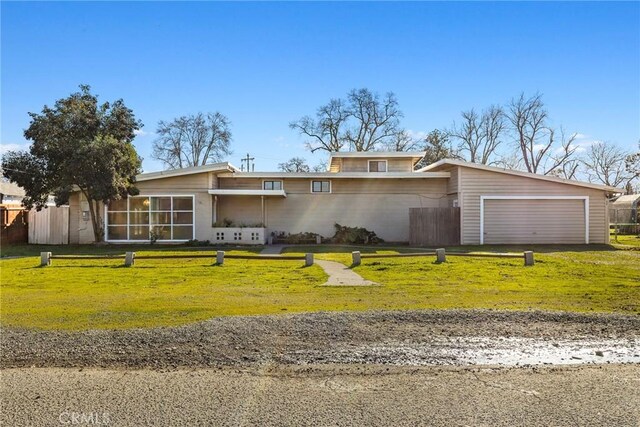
{"x":534,"y":221}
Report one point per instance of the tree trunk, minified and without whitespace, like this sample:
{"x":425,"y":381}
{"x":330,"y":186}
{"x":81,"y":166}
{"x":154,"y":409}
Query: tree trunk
{"x":96,"y":219}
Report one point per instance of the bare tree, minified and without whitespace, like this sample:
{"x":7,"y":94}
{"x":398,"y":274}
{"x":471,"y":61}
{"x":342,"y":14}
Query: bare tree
{"x":320,"y":167}
{"x":362,"y":122}
{"x":510,"y":161}
{"x":480,"y":135}
{"x":402,"y":141}
{"x":295,"y":164}
{"x":539,"y":146}
{"x":193,"y":140}
{"x":632,"y":165}
{"x":605,"y":164}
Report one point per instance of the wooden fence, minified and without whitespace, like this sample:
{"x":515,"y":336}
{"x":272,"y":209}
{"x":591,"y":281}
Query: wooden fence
{"x":14,"y":225}
{"x":49,"y":226}
{"x":434,"y":226}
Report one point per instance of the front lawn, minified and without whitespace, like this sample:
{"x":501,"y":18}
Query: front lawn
{"x":85,"y":294}
{"x":88,"y":294}
{"x":574,"y":278}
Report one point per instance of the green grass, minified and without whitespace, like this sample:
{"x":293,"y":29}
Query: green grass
{"x":626,"y":240}
{"x":572,"y":278}
{"x":85,"y":294}
{"x":88,"y":294}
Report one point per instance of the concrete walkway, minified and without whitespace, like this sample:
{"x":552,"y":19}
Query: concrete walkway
{"x":341,"y":275}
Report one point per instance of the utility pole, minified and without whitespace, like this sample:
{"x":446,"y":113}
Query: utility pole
{"x":250,"y":165}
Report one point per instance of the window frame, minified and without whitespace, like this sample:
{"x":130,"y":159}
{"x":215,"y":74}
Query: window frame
{"x":149,"y":224}
{"x":386,"y":165}
{"x":321,"y":181}
{"x":264,"y":181}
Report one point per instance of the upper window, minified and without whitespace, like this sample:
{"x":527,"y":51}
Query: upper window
{"x":320,"y":186}
{"x":377,"y":165}
{"x":272,"y":185}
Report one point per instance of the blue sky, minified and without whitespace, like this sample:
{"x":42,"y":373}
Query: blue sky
{"x":266,"y":64}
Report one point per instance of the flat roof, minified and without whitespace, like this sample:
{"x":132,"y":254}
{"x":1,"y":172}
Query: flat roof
{"x":337,"y":175}
{"x":224,"y":192}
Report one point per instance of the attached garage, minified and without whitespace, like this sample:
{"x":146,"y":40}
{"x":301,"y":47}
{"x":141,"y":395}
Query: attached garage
{"x":534,"y":219}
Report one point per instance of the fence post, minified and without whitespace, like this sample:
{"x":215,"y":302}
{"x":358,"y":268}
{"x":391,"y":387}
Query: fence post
{"x":220,"y":257}
{"x":440,"y":255}
{"x":129,"y":259}
{"x":308,"y":260}
{"x":45,"y":259}
{"x":528,"y":258}
{"x":355,"y":258}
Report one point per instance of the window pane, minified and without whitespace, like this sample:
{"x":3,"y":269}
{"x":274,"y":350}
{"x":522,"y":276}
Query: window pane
{"x":160,"y":217}
{"x":182,"y":203}
{"x":139,"y":204}
{"x":161,"y":203}
{"x":139,"y":232}
{"x":183,"y":217}
{"x":268,"y":185}
{"x":161,"y":232}
{"x":325,"y":186}
{"x":118,"y":205}
{"x":382,"y":166}
{"x":182,"y":232}
{"x":317,"y":186}
{"x":117,"y":233}
{"x":117,"y":218}
{"x":139,"y":218}
{"x":277,"y":185}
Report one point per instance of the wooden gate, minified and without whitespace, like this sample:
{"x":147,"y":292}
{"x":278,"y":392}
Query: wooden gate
{"x":50,"y":226}
{"x":14,"y":225}
{"x":434,"y":226}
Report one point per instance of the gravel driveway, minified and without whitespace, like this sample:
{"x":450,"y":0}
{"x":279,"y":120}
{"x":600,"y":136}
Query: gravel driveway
{"x":393,"y":338}
{"x":370,"y":368}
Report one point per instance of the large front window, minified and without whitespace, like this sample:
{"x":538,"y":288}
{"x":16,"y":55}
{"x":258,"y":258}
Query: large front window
{"x":150,"y":218}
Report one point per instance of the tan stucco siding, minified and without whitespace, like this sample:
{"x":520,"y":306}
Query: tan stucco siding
{"x":378,"y":205}
{"x":242,"y":210}
{"x":475,"y":183}
{"x":74,"y":218}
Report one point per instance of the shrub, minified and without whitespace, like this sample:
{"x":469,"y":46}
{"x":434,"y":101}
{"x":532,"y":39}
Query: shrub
{"x":354,"y":235}
{"x":295,"y":239}
{"x":197,"y":242}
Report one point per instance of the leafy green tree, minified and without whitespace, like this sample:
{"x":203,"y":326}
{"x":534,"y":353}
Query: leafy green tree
{"x":437,"y":146}
{"x":77,"y":145}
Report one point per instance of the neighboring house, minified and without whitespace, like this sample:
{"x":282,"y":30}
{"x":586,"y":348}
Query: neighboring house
{"x":624,"y":215}
{"x":10,"y":193}
{"x":374,"y":190}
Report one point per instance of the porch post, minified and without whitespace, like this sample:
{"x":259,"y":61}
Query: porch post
{"x":215,"y":209}
{"x":262,"y":201}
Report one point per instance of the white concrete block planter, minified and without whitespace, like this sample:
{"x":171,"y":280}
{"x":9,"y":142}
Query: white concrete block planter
{"x":239,"y":235}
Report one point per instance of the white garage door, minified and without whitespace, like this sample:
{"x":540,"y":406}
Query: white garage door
{"x":516,"y":221}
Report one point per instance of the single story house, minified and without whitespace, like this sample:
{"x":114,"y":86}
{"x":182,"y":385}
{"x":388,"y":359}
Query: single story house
{"x":375,"y":190}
